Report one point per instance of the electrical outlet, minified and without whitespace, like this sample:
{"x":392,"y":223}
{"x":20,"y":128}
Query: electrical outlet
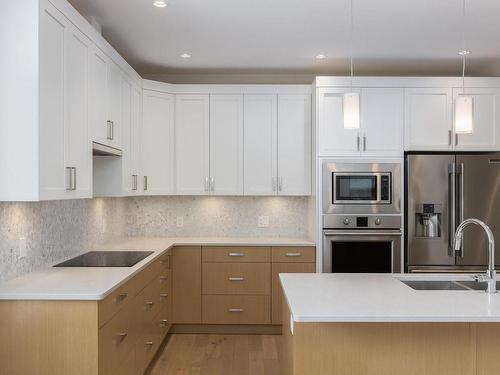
{"x":22,"y":247}
{"x":180,"y":221}
{"x":263,"y":221}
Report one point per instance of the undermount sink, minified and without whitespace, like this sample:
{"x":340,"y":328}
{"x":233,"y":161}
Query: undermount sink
{"x":447,"y":285}
{"x":433,"y":285}
{"x":106,"y":259}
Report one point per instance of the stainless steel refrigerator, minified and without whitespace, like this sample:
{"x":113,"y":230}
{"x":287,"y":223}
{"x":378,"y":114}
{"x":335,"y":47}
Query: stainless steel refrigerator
{"x":442,"y":190}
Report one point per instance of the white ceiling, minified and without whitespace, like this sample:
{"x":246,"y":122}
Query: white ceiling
{"x":419,"y":37}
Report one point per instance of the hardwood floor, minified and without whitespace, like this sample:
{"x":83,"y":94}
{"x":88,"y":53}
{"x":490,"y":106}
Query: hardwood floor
{"x":220,"y":355}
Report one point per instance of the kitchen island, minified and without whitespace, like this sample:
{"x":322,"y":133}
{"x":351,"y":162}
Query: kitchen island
{"x":375,"y":324}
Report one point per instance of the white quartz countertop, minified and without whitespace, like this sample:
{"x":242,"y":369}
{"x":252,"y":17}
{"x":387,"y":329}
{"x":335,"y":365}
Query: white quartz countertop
{"x":95,"y":283}
{"x":383,"y":298}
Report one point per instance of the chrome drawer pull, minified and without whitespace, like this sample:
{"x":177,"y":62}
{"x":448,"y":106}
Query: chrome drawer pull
{"x":235,"y":310}
{"x":236,"y":254}
{"x":163,"y":278}
{"x":293,"y":254}
{"x":163,"y":295}
{"x":120,"y":297}
{"x":163,"y":323}
{"x":148,"y":305}
{"x":120,"y":337}
{"x":148,"y":345}
{"x":236,"y":279}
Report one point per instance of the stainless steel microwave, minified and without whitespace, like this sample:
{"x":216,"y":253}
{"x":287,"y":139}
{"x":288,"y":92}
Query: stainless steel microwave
{"x":353,"y":188}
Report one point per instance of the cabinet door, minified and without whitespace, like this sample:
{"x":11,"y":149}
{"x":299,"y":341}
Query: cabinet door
{"x":260,"y":144}
{"x":53,"y":27}
{"x":294,"y":144}
{"x":157,"y":143}
{"x":114,"y":105}
{"x":192,"y":144}
{"x":78,"y":146}
{"x":428,"y":119}
{"x":226,"y":144}
{"x":333,"y":139}
{"x":486,"y":131}
{"x":382,"y":121}
{"x":98,"y":98}
{"x":126,"y":123}
{"x":186,"y":285}
{"x":136,"y":141}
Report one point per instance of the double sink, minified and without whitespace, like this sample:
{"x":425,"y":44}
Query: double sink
{"x":447,"y":284}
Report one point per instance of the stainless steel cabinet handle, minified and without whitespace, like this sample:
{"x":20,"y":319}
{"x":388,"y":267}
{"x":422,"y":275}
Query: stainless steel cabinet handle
{"x":163,"y":278}
{"x":119,"y":337}
{"x":73,"y":185}
{"x":108,"y":130}
{"x":148,"y":305}
{"x":145,"y":183}
{"x":293,"y":254}
{"x":134,"y":182}
{"x":163,"y":295}
{"x":236,"y":254}
{"x":358,"y":141}
{"x":460,"y":178}
{"x":273,"y":181}
{"x":456,"y":139}
{"x":206,"y":184}
{"x":112,"y":130}
{"x":235,"y":310}
{"x":148,"y":345}
{"x":364,"y":143}
{"x":451,"y":208}
{"x":236,"y":279}
{"x":121,"y":297}
{"x":163,"y":323}
{"x":212,"y":184}
{"x":450,"y":137}
{"x":280,"y":184}
{"x":69,"y":174}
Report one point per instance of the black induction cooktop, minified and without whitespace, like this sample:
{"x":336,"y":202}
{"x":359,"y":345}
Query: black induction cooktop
{"x":106,"y":259}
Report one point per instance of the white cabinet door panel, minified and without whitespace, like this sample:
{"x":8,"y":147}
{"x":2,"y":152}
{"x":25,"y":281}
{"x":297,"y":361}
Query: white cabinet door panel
{"x":192,"y":144}
{"x":486,"y":121}
{"x":99,"y":96}
{"x":158,"y":143}
{"x":382,"y":121}
{"x":114,"y":104}
{"x":334,"y":140}
{"x":428,"y":119}
{"x":260,"y":138}
{"x":126,"y":137}
{"x":226,"y":144}
{"x":294,"y":144}
{"x":135,"y":142}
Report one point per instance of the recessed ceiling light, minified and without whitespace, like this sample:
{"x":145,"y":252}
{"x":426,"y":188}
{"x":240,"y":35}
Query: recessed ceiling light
{"x":185,"y":55}
{"x":321,"y":56}
{"x":160,"y":4}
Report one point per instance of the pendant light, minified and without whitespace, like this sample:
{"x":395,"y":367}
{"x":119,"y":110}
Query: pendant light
{"x":350,"y":102}
{"x":464,"y":104}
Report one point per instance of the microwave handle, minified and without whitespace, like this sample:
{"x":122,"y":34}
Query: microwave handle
{"x":362,"y":233}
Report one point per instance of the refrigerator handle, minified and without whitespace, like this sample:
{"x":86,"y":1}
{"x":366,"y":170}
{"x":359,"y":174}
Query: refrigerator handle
{"x":460,"y":200}
{"x":451,"y":208}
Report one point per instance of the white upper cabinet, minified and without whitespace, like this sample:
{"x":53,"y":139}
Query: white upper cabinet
{"x":428,"y":119}
{"x":99,"y":125}
{"x":135,"y":172}
{"x":382,"y":122}
{"x":65,"y":154}
{"x":333,"y":139}
{"x":294,"y":144}
{"x":192,"y":144}
{"x":260,"y":148}
{"x":157,"y":144}
{"x":486,"y":121}
{"x":126,"y":135}
{"x":226,"y":145}
{"x":114,"y":110}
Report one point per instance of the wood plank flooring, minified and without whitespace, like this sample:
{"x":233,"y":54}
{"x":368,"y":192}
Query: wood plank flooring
{"x":220,"y":355}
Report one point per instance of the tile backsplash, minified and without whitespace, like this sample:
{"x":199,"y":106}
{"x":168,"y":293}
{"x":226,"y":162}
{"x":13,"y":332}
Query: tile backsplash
{"x":57,"y":230}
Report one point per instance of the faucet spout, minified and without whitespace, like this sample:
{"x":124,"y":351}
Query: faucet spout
{"x":490,"y":273}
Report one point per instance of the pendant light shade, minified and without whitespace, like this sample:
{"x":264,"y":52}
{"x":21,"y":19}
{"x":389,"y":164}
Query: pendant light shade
{"x":351,"y":110}
{"x":464,"y":114}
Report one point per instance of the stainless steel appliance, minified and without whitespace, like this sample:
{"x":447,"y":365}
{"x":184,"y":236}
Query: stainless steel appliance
{"x":361,"y":217}
{"x":106,"y":259}
{"x":442,"y":190}
{"x":350,"y":188}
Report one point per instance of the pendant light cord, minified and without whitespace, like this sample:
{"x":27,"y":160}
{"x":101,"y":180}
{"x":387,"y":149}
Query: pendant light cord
{"x":352,"y":33}
{"x":464,"y":52}
{"x":463,"y":73}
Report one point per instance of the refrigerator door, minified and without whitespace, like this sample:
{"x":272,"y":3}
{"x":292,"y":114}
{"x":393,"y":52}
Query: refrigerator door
{"x":479,"y":198}
{"x":429,"y":185}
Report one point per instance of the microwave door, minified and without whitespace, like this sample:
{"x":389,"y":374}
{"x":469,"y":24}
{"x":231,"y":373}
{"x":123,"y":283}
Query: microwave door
{"x":479,"y":175}
{"x":430,"y":191}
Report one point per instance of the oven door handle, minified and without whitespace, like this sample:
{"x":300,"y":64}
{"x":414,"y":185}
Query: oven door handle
{"x":362,"y":233}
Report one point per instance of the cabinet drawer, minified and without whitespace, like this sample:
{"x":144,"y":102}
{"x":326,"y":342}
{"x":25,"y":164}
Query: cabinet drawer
{"x":146,"y":346}
{"x":164,"y":260}
{"x":236,"y":309}
{"x":237,"y":278}
{"x":147,"y":305}
{"x":235,"y":254}
{"x":291,"y":254}
{"x":163,"y":321}
{"x":116,"y":342}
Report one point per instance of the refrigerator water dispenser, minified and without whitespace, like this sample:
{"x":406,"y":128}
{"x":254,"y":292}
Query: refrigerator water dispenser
{"x":428,"y":220}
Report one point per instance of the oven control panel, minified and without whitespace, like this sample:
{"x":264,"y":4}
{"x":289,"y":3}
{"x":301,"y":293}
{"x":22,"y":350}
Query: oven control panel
{"x":362,"y":222}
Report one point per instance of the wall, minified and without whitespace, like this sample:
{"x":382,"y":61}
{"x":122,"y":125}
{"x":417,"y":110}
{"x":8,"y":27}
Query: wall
{"x":58,"y":230}
{"x":55,"y":231}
